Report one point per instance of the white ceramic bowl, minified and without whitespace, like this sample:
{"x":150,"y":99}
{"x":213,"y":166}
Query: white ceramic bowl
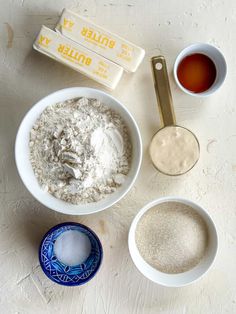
{"x":22,"y":151}
{"x":181,"y":279}
{"x":215,"y":55}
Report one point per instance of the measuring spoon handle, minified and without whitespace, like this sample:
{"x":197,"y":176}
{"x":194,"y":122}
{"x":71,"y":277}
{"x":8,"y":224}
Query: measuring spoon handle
{"x":162,"y":89}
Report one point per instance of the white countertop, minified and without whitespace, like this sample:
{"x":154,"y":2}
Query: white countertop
{"x":160,"y":27}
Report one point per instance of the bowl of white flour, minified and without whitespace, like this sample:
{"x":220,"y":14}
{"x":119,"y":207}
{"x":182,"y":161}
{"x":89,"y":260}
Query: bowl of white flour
{"x":78,"y":151}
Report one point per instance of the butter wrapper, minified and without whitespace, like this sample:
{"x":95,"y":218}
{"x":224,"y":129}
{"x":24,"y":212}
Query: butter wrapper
{"x":103,"y":42}
{"x":78,"y":57}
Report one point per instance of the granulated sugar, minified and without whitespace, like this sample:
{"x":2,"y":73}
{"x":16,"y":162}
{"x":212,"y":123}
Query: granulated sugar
{"x":172,"y":237}
{"x":80,"y":150}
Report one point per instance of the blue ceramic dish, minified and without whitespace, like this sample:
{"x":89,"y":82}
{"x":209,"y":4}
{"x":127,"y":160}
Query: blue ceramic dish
{"x":64,"y":274}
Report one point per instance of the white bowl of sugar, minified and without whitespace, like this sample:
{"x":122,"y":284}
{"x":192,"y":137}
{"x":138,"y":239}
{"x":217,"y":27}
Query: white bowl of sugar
{"x":173,"y":241}
{"x":30,"y":173}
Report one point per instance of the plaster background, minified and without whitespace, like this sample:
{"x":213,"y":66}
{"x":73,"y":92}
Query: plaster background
{"x":161,"y":27}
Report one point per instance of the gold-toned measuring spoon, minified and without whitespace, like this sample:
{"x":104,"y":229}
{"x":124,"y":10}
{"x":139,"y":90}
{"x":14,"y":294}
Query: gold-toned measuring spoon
{"x":174,"y":150}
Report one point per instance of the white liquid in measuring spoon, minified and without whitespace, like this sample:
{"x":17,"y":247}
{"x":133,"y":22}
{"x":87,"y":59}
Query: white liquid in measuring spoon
{"x":174,"y":150}
{"x":72,"y":247}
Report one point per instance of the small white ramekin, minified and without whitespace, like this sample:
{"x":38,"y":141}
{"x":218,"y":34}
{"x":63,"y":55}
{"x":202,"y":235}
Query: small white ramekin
{"x":215,"y":55}
{"x":181,"y":279}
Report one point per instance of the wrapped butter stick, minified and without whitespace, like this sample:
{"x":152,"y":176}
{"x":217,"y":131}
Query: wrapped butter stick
{"x":78,"y":57}
{"x":103,"y":42}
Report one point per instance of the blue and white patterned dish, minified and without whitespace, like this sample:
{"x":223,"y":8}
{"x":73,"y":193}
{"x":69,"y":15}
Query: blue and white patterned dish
{"x":61,"y":273}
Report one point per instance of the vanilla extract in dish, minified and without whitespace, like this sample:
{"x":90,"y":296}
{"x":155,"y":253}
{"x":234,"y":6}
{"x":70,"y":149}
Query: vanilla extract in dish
{"x":196,"y":73}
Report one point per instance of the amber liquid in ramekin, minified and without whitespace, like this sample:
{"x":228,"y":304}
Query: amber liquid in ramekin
{"x":196,"y":73}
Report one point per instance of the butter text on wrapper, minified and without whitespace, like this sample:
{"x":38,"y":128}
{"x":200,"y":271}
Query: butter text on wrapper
{"x":73,"y":55}
{"x":93,"y":36}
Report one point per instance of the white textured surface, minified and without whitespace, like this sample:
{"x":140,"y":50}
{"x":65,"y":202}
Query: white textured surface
{"x":25,"y":76}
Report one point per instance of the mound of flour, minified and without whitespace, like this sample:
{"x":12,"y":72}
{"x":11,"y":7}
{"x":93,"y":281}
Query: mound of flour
{"x":80,"y":150}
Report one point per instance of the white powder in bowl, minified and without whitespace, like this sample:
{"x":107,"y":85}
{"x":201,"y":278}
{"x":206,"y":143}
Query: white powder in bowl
{"x":172,"y":237}
{"x":72,"y":247}
{"x":80,"y":150}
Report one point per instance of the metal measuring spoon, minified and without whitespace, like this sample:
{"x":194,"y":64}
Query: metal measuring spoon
{"x":174,"y":150}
